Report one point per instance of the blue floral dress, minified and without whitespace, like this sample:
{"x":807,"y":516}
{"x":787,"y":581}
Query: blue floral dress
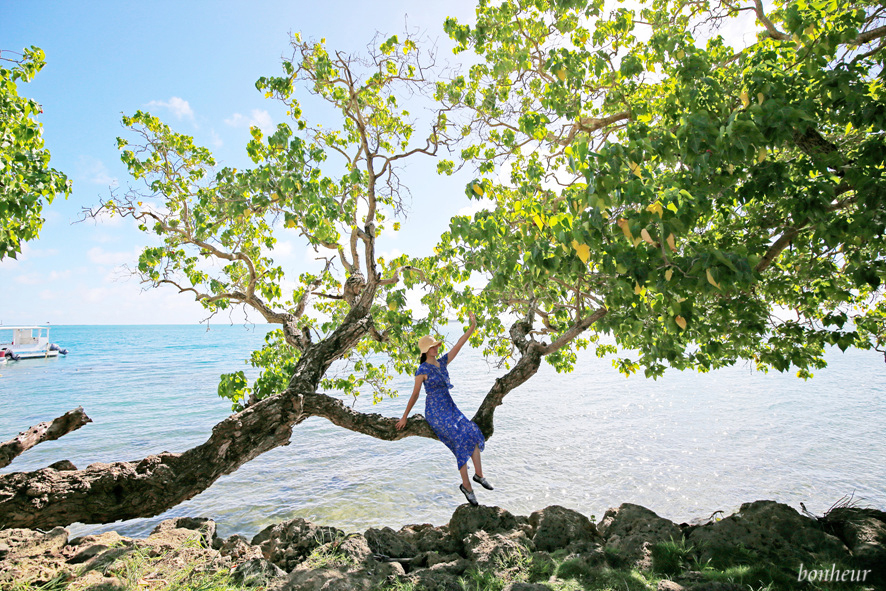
{"x":452,"y":427}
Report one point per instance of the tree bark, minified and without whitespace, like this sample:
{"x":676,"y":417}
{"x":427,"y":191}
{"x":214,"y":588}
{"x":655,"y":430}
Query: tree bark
{"x":102,"y":493}
{"x":45,"y":431}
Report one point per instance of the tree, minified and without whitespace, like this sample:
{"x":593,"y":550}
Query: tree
{"x":702,"y":204}
{"x":27,"y":183}
{"x":337,"y":187}
{"x":646,"y":198}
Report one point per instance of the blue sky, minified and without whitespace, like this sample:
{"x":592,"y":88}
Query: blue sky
{"x":194,"y":64}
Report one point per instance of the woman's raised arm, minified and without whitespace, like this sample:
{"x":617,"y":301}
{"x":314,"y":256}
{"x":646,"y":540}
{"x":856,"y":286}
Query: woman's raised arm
{"x":464,"y":339}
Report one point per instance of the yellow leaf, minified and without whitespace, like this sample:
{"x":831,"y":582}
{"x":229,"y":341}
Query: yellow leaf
{"x":583,"y":250}
{"x":672,"y":243}
{"x":668,"y":274}
{"x":761,"y":155}
{"x":681,"y":54}
{"x":644,"y":234}
{"x":711,"y":279}
{"x":809,"y":31}
{"x":635,"y":168}
{"x":637,"y":289}
{"x":625,"y":228}
{"x":656,"y":208}
{"x":731,"y":168}
{"x":744,"y":98}
{"x":681,"y":322}
{"x":620,"y":268}
{"x":538,"y":222}
{"x":478,"y":189}
{"x":637,"y":240}
{"x":561,"y":74}
{"x":392,"y":306}
{"x":760,"y":98}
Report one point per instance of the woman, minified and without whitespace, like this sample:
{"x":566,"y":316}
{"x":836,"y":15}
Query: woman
{"x":461,"y":436}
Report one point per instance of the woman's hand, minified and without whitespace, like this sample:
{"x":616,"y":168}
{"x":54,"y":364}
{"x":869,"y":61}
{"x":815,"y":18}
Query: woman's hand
{"x":473,"y":318}
{"x":401,"y":423}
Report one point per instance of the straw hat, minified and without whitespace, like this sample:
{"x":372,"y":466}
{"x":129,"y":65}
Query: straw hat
{"x":426,"y":342}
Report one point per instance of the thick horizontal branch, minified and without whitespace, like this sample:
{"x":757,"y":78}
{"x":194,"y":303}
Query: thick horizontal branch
{"x":45,"y":431}
{"x":372,"y":424}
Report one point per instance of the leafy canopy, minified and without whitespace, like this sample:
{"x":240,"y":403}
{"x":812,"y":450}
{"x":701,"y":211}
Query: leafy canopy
{"x":27,"y":182}
{"x":713,"y":203}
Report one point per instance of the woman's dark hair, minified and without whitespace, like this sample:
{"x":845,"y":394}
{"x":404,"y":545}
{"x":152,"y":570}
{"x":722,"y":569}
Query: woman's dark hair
{"x":424,"y":357}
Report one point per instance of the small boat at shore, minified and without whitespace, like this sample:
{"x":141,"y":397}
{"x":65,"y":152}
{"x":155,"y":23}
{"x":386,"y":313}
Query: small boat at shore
{"x":27,"y":342}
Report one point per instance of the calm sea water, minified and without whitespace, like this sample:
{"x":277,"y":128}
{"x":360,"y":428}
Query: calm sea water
{"x":684,"y":446}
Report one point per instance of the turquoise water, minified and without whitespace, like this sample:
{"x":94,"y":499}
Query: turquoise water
{"x":684,"y":446}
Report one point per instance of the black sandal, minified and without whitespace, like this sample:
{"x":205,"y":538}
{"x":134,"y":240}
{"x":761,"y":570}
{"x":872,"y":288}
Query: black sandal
{"x":483,"y":482}
{"x":469,"y":495}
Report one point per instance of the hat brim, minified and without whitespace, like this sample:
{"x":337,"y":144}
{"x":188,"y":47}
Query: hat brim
{"x":428,"y":348}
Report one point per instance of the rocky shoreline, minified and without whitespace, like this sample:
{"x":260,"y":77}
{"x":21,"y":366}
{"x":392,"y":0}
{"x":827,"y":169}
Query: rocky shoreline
{"x":764,"y":545}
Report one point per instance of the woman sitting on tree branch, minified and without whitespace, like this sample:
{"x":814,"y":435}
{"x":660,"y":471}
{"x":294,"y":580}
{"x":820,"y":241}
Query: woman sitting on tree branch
{"x":461,"y":435}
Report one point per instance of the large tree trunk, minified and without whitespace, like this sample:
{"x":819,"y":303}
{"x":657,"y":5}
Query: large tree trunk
{"x":103,"y":493}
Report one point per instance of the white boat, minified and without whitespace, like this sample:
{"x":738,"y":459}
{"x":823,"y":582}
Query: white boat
{"x":27,"y":342}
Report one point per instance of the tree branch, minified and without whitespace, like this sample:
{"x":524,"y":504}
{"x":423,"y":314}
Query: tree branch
{"x":45,"y":431}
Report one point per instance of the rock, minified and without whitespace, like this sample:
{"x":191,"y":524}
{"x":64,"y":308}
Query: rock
{"x":170,"y":538}
{"x":440,"y":577}
{"x":766,"y":531}
{"x":206,"y":527}
{"x":526,"y":587}
{"x":63,"y":466}
{"x":256,"y":572}
{"x":498,"y":552}
{"x":87,"y":553}
{"x":239,"y":549}
{"x":24,"y":543}
{"x":326,"y":579}
{"x":666,"y":585}
{"x":864,"y":533}
{"x":556,"y":527}
{"x":630,"y":532}
{"x":387,"y":542}
{"x":355,"y":548}
{"x":432,"y":558}
{"x":467,"y":520}
{"x":428,"y":538}
{"x":287,"y":544}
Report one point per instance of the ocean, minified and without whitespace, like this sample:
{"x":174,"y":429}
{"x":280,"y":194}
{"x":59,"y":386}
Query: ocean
{"x":685,"y":446}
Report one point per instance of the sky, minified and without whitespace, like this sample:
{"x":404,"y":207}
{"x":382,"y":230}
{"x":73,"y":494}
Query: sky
{"x":194,"y":64}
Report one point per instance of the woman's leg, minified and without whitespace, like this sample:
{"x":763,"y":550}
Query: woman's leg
{"x":476,"y":459}
{"x":465,"y":481}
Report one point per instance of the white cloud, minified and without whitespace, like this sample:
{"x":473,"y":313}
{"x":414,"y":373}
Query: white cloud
{"x":29,"y":279}
{"x":100,"y":256}
{"x":216,"y":140}
{"x":39,"y":278}
{"x":94,"y":171}
{"x":177,"y":106}
{"x":258,"y":118}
